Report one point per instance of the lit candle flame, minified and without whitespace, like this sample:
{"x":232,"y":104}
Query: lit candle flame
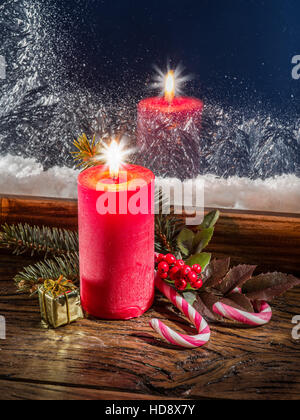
{"x":115,"y":155}
{"x":170,"y":82}
{"x":114,"y":159}
{"x":170,"y":86}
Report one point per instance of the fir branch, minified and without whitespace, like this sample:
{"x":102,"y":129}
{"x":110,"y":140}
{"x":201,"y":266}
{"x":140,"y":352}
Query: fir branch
{"x":36,"y":240}
{"x":87,"y":152}
{"x":167,"y":228}
{"x":32,"y":276}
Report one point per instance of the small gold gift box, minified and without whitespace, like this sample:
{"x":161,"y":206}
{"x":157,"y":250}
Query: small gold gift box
{"x":59,"y":303}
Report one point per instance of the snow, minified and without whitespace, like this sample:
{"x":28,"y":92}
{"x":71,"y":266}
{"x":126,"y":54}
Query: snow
{"x":20,"y":176}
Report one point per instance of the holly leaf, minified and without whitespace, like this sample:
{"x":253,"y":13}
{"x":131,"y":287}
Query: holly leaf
{"x":236,"y":277}
{"x":268,"y":286}
{"x":204,"y":305}
{"x":190,"y":297}
{"x":215,"y":272}
{"x":202,"y":259}
{"x":202,"y":239}
{"x":210,"y":220}
{"x":239,"y":301}
{"x":185,"y":241}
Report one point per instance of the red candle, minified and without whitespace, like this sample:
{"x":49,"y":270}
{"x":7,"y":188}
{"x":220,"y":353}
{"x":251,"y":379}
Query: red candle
{"x":116,"y":241}
{"x":181,"y":113}
{"x":169,"y":129}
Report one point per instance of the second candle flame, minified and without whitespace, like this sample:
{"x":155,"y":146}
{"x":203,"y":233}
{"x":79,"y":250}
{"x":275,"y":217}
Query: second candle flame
{"x":170,"y":86}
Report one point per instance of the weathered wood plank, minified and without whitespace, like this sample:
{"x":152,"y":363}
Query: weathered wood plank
{"x":13,"y":390}
{"x":38,"y":211}
{"x":126,"y":357}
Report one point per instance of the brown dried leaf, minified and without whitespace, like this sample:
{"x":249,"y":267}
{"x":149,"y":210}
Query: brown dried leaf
{"x":204,"y":304}
{"x":268,"y":286}
{"x":215,"y":272}
{"x":238,"y":301}
{"x":236,"y":277}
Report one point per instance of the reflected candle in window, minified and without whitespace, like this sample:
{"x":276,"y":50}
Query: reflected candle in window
{"x":116,"y":239}
{"x":169,"y":130}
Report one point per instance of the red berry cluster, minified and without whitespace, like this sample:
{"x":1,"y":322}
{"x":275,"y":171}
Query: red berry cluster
{"x":168,"y":267}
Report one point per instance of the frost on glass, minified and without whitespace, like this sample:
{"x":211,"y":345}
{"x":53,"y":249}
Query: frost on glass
{"x":41,"y":112}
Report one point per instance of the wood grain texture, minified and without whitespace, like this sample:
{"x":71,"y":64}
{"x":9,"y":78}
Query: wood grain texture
{"x":269,"y":240}
{"x":38,"y":211}
{"x":19,"y":390}
{"x":119,"y":360}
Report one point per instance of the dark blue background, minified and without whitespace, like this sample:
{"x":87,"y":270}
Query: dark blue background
{"x":239,"y":50}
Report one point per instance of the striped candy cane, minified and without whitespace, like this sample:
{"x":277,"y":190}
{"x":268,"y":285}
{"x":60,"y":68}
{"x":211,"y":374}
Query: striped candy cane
{"x":170,"y":335}
{"x":253,"y":319}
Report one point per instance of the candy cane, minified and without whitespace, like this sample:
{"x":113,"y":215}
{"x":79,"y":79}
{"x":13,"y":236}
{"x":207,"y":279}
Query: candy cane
{"x":254,"y":319}
{"x":170,"y":335}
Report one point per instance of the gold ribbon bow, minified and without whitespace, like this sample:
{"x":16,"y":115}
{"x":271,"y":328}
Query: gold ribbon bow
{"x":58,"y":287}
{"x":55,"y":289}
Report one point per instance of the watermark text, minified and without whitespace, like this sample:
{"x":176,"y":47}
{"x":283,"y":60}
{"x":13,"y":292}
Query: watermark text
{"x":2,"y":328}
{"x":296,"y":329}
{"x":2,"y":67}
{"x":136,"y":197}
{"x":296,"y":68}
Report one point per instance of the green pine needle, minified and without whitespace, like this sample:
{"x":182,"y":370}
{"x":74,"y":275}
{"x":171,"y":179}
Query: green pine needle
{"x":32,"y":276}
{"x":167,"y":228}
{"x":86,"y":155}
{"x":22,"y":239}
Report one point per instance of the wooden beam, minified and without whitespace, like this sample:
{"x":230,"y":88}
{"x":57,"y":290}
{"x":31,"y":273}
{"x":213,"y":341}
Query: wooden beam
{"x":38,"y":211}
{"x":270,"y":240}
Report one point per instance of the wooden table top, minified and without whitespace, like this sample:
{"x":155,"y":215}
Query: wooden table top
{"x":125,"y":360}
